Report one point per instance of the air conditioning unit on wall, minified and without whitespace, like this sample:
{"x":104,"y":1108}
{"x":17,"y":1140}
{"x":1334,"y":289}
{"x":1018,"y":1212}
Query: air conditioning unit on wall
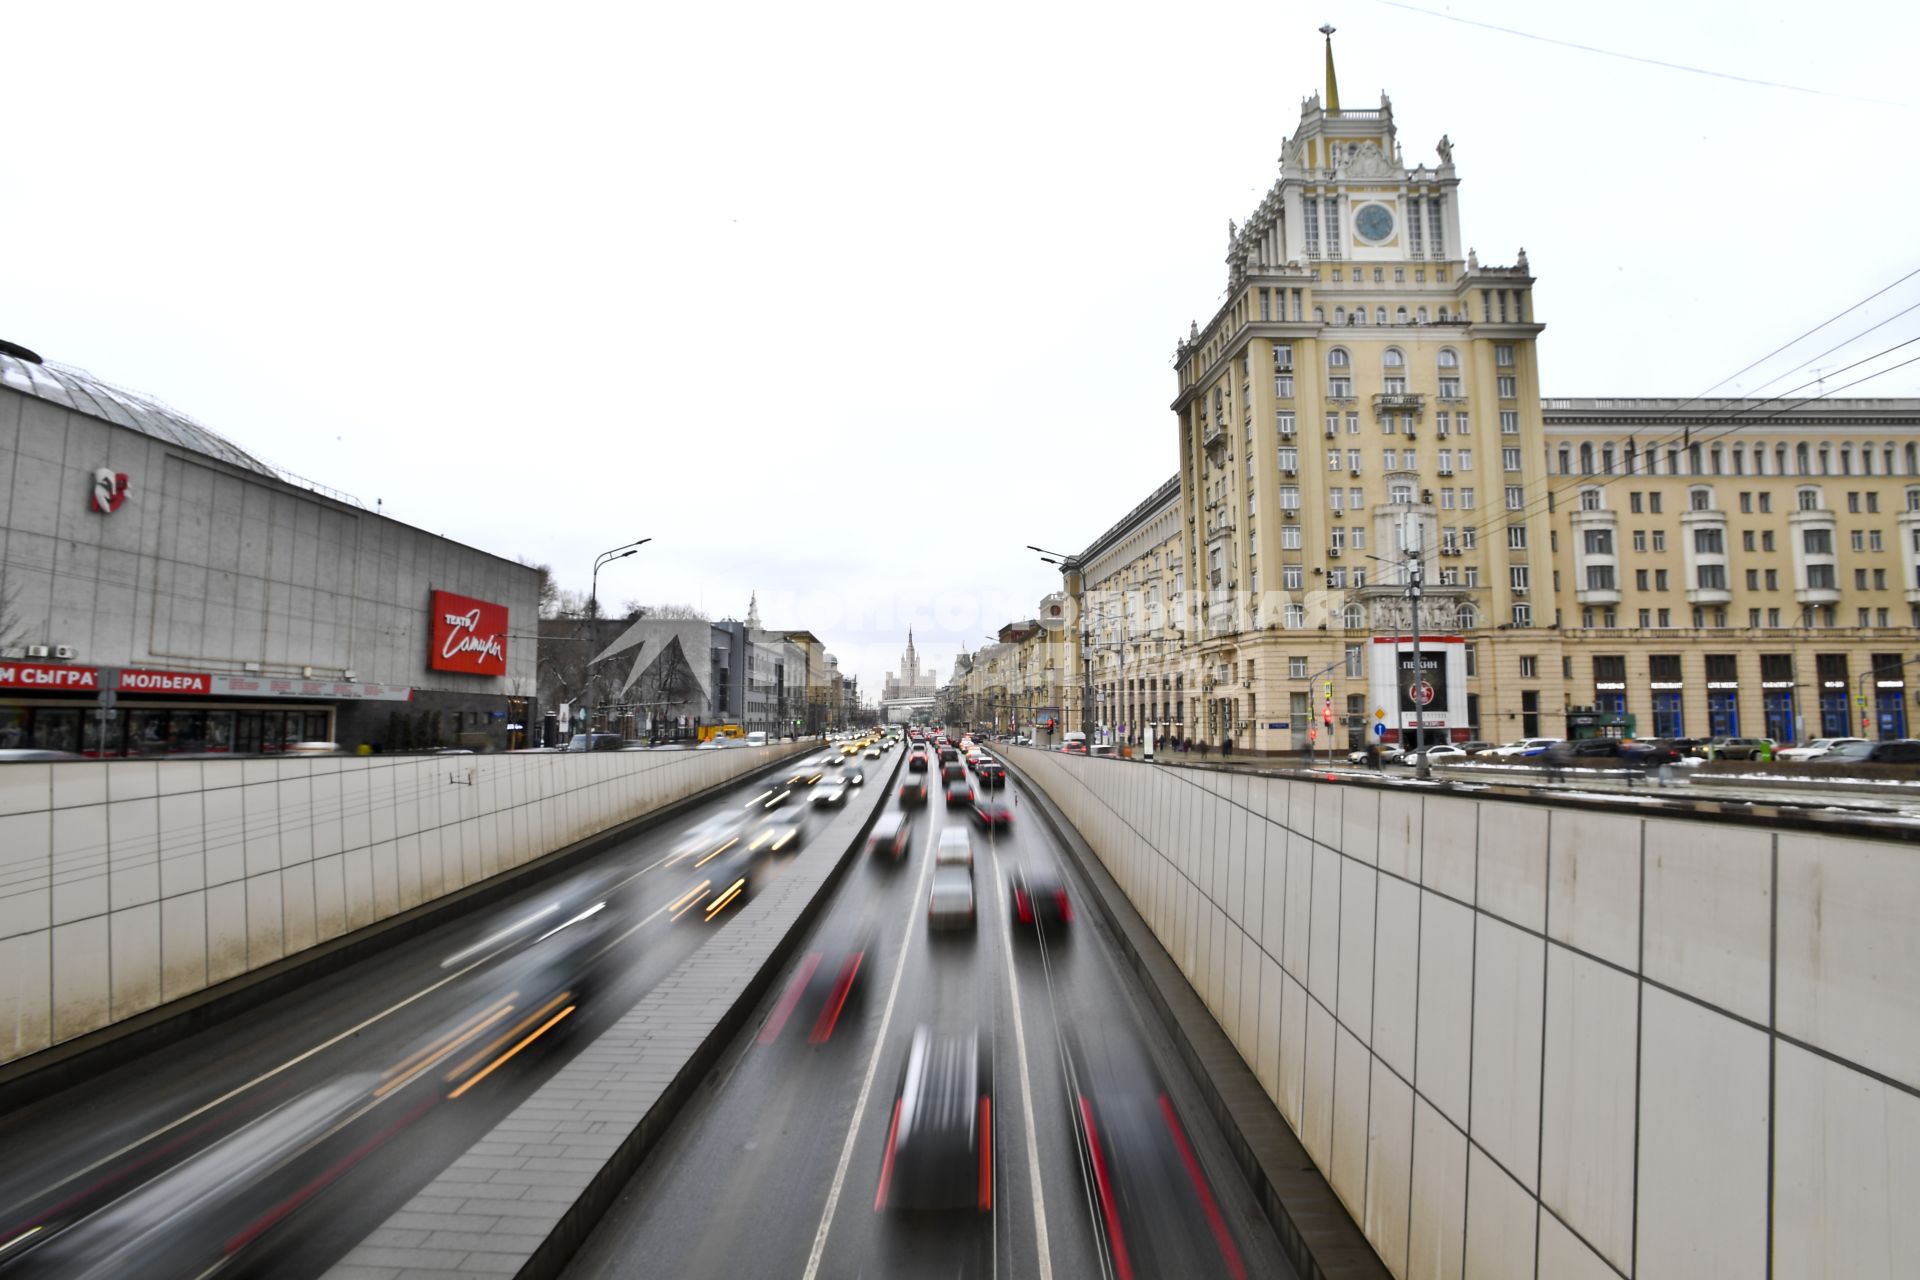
{"x":65,"y":651}
{"x":39,"y":651}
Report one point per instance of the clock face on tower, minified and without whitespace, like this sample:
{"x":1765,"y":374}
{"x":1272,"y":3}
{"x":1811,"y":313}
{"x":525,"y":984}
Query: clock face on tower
{"x":1374,"y":222}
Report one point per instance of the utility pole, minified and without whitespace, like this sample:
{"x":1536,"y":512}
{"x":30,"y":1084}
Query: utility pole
{"x":1423,"y":769}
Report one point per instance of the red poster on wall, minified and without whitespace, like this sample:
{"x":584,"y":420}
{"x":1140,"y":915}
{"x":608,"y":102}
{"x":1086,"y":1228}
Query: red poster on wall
{"x":469,"y":635}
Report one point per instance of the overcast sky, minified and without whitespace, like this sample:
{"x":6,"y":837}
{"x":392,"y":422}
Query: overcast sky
{"x":845,"y":303}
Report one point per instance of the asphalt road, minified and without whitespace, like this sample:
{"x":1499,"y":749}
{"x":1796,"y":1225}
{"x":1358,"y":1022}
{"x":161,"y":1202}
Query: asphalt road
{"x":773,"y":1169}
{"x":272,"y":1143}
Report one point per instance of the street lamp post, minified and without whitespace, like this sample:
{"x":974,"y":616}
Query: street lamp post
{"x":600,"y":561}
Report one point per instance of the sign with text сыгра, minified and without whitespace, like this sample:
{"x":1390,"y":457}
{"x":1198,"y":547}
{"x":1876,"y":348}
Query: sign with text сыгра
{"x":469,"y":635}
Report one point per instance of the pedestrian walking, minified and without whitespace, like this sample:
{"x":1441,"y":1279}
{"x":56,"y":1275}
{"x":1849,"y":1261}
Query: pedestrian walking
{"x":1226,"y":747}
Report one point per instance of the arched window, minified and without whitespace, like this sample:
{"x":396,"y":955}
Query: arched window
{"x":1717,"y":460}
{"x":1400,"y":315}
{"x":1826,"y":461}
{"x":1846,"y":459}
{"x":1469,"y":617}
{"x":1394,"y":359}
{"x":1760,"y":459}
{"x":1606,"y":459}
{"x":1337,"y":358}
{"x":1913,"y":458}
{"x":1633,"y":456}
{"x":1443,"y":315}
{"x":1739,"y":459}
{"x":1586,"y":459}
{"x":1319,"y":315}
{"x":1359,"y":315}
{"x":1449,"y":358}
{"x":1809,"y":498}
{"x":1886,"y":460}
{"x":1339,"y":315}
{"x":1353,"y":617}
{"x":1780,"y":459}
{"x":1566,"y":459}
{"x":1802,"y":460}
{"x":1700,"y":498}
{"x":1380,"y":315}
{"x":1421,"y":315}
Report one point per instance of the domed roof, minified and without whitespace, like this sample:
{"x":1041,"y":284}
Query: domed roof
{"x":79,"y":390}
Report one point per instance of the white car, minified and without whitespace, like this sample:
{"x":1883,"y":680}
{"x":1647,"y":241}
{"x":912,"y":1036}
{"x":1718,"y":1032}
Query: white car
{"x":1813,"y":750}
{"x":955,"y":848}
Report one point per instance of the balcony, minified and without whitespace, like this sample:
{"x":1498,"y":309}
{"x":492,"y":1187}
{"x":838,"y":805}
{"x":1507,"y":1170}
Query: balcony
{"x":1399,"y":401}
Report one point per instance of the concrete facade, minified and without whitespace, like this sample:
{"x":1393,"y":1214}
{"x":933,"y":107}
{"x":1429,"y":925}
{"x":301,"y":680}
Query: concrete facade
{"x":130,"y":883}
{"x":214,"y":563}
{"x":1535,"y":1040}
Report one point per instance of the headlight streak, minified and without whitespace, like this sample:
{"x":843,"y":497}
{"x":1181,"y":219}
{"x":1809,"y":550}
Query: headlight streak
{"x":494,"y":1047}
{"x":689,"y":899}
{"x":591,"y":911}
{"x":417,"y":1064}
{"x":717,"y":852}
{"x":719,"y":903}
{"x":500,"y":1061}
{"x":501,"y":936}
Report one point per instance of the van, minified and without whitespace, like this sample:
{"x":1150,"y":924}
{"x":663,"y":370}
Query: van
{"x":757,"y":739}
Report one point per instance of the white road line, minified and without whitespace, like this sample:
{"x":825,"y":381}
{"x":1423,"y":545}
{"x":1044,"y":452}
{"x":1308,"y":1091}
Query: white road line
{"x":1026,"y":1083}
{"x":873,"y":1065}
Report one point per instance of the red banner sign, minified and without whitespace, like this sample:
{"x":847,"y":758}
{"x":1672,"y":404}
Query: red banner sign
{"x":469,"y":635}
{"x":47,"y":675}
{"x":136,"y":681}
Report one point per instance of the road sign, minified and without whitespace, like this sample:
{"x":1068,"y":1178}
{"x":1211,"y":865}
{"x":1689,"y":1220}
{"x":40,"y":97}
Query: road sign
{"x":1379,"y":714}
{"x":1421,"y":692}
{"x":1379,"y":730}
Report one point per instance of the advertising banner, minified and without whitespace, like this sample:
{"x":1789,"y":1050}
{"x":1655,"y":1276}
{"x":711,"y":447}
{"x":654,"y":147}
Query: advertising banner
{"x":469,"y":636}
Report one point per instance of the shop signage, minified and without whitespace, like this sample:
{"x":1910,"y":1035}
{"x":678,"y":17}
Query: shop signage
{"x":132,"y":681}
{"x":109,"y":490}
{"x":1664,"y":684}
{"x":47,"y":675}
{"x":469,"y":635}
{"x":1776,"y":684}
{"x":270,"y":687}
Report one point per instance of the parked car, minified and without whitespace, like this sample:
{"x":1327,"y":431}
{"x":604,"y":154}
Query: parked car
{"x":603,"y":742}
{"x":1813,"y":750}
{"x":1475,"y":747}
{"x":1740,"y":749}
{"x":1522,"y":748}
{"x":1583,"y":751}
{"x":1895,"y":751}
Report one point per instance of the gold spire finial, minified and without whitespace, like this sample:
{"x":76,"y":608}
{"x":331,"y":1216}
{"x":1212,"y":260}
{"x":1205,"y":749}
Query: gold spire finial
{"x":1333,"y":85}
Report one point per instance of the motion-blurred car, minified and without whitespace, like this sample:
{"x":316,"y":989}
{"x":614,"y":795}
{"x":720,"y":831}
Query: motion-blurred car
{"x":955,"y":848}
{"x":917,"y":762}
{"x":1598,"y":752}
{"x":1813,"y":750}
{"x":1157,"y":1211}
{"x":831,"y":796}
{"x":953,"y":773}
{"x":891,"y":837}
{"x":773,"y":797}
{"x":939,"y":1150}
{"x":855,"y":777}
{"x":993,"y":774}
{"x":1438,"y":754}
{"x":1039,"y":899}
{"x":991,"y":813}
{"x":1474,"y":747}
{"x":1522,"y":748}
{"x":873,"y":753}
{"x":913,"y":793}
{"x":958,"y":794}
{"x":1740,"y":749}
{"x":824,"y":985}
{"x":596,"y":742}
{"x":950,"y":900}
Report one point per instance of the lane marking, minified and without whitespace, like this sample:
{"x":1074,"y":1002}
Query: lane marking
{"x":873,"y":1065}
{"x":1026,"y":1084}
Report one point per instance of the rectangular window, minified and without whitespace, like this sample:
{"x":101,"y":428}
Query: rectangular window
{"x":1462,"y":425}
{"x":1311,"y":219}
{"x":1639,"y":539}
{"x":1466,"y":498}
{"x":1469,"y":538}
{"x":1289,"y":497}
{"x":1709,"y":542}
{"x":1289,"y":537}
{"x":1659,"y":539}
{"x":1766,"y":503}
{"x":1873,"y":541}
{"x":1518,"y":577}
{"x":1353,"y":461}
{"x":1633,"y":503}
{"x":1466,"y":459}
{"x":1508,"y":386}
{"x":1639,"y":579}
{"x":1340,"y":388}
{"x":1503,"y":354}
{"x":1873,"y":503}
{"x":1753,"y":579}
{"x":1529,"y":666}
{"x":1820,"y":577}
{"x":1356,"y":660}
{"x":1339,"y":536}
{"x":1353,"y":424}
{"x":1818,"y":542}
{"x":1443,"y":423}
{"x":1653,"y":503}
{"x":1746,"y":539}
{"x":1599,"y":577}
{"x":1283,"y":386}
{"x":1853,"y":501}
{"x":1289,"y":460}
{"x":1449,"y":388}
{"x":1333,"y":460}
{"x":1516,"y":498}
{"x":1436,"y":232}
{"x":1469,"y":651}
{"x":1858,"y":540}
{"x":1509,"y":422}
{"x":1358,"y":535}
{"x":1510,"y":459}
{"x":1659,"y":579}
{"x":1517,"y":537}
{"x":1446,"y":499}
{"x":1746,"y":502}
{"x":1446,"y":461}
{"x":1711,"y":577}
{"x":1336,"y":499}
{"x":1599,"y":542}
{"x":1523,"y":615}
{"x":1859,"y":579}
{"x":1294,"y":616}
{"x":1296,"y":667}
{"x":1292,"y":577}
{"x":1766,"y":539}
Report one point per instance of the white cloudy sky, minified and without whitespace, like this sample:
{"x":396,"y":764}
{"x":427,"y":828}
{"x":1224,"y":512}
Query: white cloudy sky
{"x":845,"y":303}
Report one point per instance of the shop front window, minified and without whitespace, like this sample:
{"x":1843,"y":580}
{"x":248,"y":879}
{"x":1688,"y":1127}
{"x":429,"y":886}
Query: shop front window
{"x":1892,"y":705}
{"x":1667,"y":720}
{"x":1780,"y":717}
{"x":1834,"y":715}
{"x":1723,"y":713}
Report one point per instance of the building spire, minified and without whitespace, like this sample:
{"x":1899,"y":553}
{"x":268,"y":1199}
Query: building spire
{"x":1333,"y":85}
{"x":753,"y":610}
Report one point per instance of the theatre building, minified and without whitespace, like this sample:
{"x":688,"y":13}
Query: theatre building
{"x":162,"y":591}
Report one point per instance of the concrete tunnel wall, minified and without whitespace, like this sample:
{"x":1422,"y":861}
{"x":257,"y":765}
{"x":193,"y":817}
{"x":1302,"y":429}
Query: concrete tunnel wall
{"x":1528,"y":1040}
{"x":125,"y":884}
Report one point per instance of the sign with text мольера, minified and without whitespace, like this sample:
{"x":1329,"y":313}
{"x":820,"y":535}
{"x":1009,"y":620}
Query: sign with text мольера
{"x":469,"y":636}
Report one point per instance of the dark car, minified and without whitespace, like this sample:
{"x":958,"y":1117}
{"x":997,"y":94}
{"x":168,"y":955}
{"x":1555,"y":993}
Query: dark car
{"x":1039,"y":900}
{"x":1157,"y":1207}
{"x":917,"y":762}
{"x":958,"y":794}
{"x":594,"y":742}
{"x":892,"y":835}
{"x":953,"y":773}
{"x":939,"y":1148}
{"x":1650,"y":752}
{"x":1895,"y":751}
{"x":913,"y":792}
{"x":1602,"y":752}
{"x":993,"y":774}
{"x":949,"y":755}
{"x":991,"y":813}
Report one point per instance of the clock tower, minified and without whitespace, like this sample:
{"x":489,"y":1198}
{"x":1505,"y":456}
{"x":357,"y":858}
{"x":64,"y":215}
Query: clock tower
{"x":1365,"y":401}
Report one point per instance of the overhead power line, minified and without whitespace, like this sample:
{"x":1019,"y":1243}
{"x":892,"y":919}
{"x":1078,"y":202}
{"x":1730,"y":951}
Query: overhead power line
{"x":1635,"y":57}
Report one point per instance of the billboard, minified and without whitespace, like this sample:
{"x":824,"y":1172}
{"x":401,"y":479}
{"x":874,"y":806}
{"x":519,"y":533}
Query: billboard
{"x":469,"y":636}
